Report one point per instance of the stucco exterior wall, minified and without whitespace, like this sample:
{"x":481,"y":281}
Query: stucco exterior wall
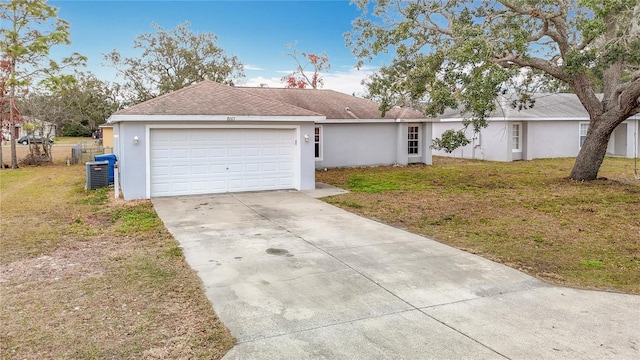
{"x":553,"y":139}
{"x":491,"y":143}
{"x":346,"y":145}
{"x":633,"y":138}
{"x":371,"y":144}
{"x":540,"y":139}
{"x":133,"y":157}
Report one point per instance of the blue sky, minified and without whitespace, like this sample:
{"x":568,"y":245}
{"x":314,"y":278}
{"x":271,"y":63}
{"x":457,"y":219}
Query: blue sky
{"x":257,"y":32}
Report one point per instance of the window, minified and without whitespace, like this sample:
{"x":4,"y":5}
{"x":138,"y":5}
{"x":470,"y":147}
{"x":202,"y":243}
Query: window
{"x":317,"y":142}
{"x":413,"y":144}
{"x":516,"y":137}
{"x":584,"y":127}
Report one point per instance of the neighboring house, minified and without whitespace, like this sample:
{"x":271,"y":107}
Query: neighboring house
{"x":555,"y":126}
{"x":106,"y":136}
{"x":40,"y":127}
{"x":214,"y":138}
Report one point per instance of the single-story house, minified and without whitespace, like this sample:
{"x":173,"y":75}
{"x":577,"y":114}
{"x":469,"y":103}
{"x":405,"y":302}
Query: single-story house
{"x":34,"y":126}
{"x":555,"y":126}
{"x":213,"y":138}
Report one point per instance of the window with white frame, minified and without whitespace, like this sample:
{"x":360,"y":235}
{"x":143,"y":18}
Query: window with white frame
{"x":584,"y":127}
{"x":413,"y":137}
{"x":317,"y":142}
{"x":516,"y":137}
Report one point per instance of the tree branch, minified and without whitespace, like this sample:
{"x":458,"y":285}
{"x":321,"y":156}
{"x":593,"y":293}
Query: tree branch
{"x":630,"y":95}
{"x":510,"y":60}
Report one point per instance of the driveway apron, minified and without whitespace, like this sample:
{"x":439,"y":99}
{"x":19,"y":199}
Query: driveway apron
{"x":295,"y":278}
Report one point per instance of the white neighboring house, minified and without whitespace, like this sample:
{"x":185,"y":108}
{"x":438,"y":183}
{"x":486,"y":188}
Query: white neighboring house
{"x":47,"y":128}
{"x":554,"y":127}
{"x":213,"y":138}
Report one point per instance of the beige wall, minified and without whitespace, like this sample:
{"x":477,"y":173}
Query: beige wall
{"x":107,"y":137}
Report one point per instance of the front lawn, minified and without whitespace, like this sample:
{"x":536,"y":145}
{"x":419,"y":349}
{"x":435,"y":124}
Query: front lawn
{"x":83,"y":276}
{"x":525,"y":214}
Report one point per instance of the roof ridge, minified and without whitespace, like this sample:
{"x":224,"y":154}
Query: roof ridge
{"x":241,"y":88}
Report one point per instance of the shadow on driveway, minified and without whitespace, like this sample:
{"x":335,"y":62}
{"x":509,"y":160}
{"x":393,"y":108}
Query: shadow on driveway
{"x":295,"y":278}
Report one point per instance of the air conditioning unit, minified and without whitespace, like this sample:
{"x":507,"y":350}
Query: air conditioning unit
{"x":97,"y":175}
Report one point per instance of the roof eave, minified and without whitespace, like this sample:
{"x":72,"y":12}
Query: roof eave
{"x":216,"y":118}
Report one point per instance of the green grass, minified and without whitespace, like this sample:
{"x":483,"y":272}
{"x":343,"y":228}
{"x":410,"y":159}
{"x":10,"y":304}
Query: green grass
{"x":526,"y":214}
{"x":137,"y":220}
{"x":89,"y":277}
{"x":68,"y":140}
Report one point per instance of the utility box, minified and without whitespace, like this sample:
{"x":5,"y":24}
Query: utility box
{"x":111,"y":158}
{"x":97,"y":175}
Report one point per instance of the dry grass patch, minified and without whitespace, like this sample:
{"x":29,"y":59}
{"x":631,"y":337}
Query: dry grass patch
{"x":84,"y":276}
{"x":525,"y":214}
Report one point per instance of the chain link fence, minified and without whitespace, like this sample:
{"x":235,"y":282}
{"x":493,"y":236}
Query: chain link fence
{"x":84,"y":152}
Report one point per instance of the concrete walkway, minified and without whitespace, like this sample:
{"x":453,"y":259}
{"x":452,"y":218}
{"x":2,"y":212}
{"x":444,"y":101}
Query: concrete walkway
{"x":295,"y":278}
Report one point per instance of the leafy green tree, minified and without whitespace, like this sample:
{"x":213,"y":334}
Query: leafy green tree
{"x":171,"y":60}
{"x":76,"y":108}
{"x":29,"y":29}
{"x":463,"y":54}
{"x":89,"y":101}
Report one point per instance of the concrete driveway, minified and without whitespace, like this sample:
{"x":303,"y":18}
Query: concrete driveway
{"x":295,"y":278}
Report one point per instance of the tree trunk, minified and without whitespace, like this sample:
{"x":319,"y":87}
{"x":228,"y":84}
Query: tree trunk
{"x":14,"y":155}
{"x":12,"y":116}
{"x":593,"y":149}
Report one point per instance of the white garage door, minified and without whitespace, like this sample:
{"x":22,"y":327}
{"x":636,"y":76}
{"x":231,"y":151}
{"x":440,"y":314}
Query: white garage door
{"x":205,"y":161}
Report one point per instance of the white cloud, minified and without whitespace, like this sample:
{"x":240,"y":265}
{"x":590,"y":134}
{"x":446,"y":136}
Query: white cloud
{"x":259,"y":81}
{"x":252,"y":68}
{"x":348,"y":82}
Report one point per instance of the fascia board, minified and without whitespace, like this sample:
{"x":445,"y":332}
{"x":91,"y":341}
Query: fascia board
{"x":216,"y":118}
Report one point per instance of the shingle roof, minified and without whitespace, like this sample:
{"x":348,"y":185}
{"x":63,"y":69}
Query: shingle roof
{"x":333,"y":104}
{"x":546,"y":106}
{"x":211,"y":98}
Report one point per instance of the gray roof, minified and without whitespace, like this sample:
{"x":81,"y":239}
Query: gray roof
{"x":547,"y":106}
{"x":211,"y":98}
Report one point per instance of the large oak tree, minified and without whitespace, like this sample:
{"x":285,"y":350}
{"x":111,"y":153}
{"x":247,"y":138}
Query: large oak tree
{"x":170,"y":60}
{"x":463,"y":54}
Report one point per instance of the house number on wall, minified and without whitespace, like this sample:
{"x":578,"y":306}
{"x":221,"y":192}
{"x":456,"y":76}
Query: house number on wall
{"x":231,"y":118}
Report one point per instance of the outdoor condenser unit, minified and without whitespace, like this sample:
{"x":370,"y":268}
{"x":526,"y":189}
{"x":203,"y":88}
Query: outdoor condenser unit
{"x":97,"y":174}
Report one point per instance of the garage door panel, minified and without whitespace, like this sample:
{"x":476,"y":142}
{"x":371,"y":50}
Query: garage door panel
{"x":235,"y":152}
{"x":218,"y":169}
{"x":200,"y":170}
{"x":218,"y":152}
{"x":285,"y":166}
{"x":253,"y":152}
{"x":178,"y":170}
{"x":252,"y":167}
{"x":200,"y":161}
{"x":179,"y":154}
{"x":180,"y":136}
{"x":160,"y":154}
{"x":199,"y":186}
{"x":199,"y":153}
